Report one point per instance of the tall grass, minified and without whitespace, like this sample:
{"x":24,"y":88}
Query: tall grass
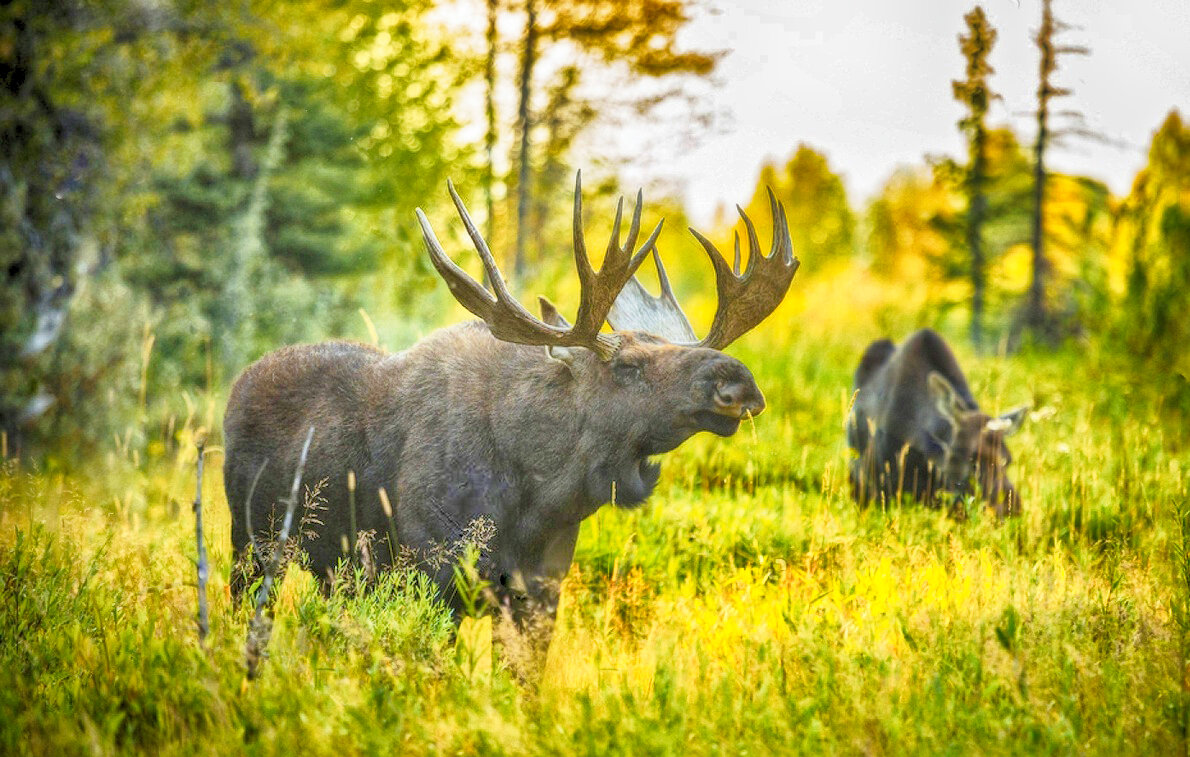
{"x":750,"y":608}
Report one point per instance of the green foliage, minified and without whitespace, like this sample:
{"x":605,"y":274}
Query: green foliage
{"x":51,"y":166}
{"x":901,"y":232}
{"x":916,"y":227}
{"x":185,"y":186}
{"x":226,"y":177}
{"x":1005,"y":183}
{"x":1155,"y":223}
{"x":632,"y":45}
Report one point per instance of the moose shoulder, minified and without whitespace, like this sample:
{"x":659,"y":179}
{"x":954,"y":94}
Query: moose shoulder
{"x":916,"y":429}
{"x":528,"y":425}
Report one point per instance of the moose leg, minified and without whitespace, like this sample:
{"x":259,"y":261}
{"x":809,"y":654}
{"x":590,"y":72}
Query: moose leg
{"x":530,"y":605}
{"x":525,"y":629}
{"x":865,"y":478}
{"x":859,"y":486}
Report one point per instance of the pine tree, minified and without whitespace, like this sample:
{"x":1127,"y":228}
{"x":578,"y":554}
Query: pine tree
{"x":974,"y":93}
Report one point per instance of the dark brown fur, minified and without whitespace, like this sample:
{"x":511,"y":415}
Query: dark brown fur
{"x":916,"y":429}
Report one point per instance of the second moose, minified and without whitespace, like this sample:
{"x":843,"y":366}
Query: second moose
{"x":916,"y":429}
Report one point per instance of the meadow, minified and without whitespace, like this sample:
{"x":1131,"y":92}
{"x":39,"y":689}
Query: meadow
{"x":749,"y":608}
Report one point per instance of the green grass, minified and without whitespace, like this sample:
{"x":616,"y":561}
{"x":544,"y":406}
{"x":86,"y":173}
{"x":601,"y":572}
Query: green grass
{"x":750,"y":608}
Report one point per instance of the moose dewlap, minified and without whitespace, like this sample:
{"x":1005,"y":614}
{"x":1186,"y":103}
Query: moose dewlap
{"x":513,"y":427}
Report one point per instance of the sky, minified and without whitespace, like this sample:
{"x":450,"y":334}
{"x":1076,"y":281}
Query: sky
{"x":867,"y":82}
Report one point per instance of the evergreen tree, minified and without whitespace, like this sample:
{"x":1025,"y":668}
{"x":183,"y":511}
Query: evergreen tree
{"x":186,"y":186}
{"x":75,"y":131}
{"x":974,"y":93}
{"x":317,"y":182}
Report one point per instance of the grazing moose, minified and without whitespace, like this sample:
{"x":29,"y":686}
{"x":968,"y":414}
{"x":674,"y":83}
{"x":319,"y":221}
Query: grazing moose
{"x":527,"y":424}
{"x":917,"y":429}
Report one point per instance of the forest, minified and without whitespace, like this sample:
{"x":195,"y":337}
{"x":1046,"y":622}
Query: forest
{"x":189,"y":186}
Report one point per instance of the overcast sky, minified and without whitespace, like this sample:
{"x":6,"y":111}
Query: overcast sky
{"x":868,"y":83}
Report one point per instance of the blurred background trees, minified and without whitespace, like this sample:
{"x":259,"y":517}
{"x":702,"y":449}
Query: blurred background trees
{"x":821,"y":222}
{"x":187,"y":186}
{"x":1152,"y":240}
{"x":580,"y":43}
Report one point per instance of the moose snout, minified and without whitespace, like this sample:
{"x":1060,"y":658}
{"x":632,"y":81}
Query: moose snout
{"x":738,"y":398}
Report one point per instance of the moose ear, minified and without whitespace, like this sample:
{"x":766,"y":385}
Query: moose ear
{"x":563,"y":354}
{"x":946,"y":399}
{"x":1008,"y":423}
{"x":550,"y":314}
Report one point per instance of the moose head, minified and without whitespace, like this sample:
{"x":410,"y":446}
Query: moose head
{"x":972,"y":444}
{"x":650,"y":383}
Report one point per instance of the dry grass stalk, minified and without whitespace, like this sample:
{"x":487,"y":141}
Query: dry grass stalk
{"x":204,"y":624}
{"x":261,"y":627}
{"x":351,"y":508}
{"x":393,"y":547}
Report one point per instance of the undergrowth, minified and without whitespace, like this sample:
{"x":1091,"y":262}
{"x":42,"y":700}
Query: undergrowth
{"x":750,"y":608}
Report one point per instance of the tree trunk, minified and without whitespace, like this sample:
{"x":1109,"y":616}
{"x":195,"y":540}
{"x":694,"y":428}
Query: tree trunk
{"x":241,"y":132}
{"x":973,"y":92}
{"x":975,"y":214}
{"x":528,"y":60}
{"x":1036,"y":315}
{"x":489,"y":138}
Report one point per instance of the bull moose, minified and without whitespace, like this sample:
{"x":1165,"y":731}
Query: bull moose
{"x":916,"y":429}
{"x":528,"y":424}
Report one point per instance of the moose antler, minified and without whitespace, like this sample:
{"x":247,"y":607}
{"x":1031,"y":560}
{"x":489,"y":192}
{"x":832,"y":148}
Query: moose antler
{"x":509,"y":320}
{"x":744,"y":300}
